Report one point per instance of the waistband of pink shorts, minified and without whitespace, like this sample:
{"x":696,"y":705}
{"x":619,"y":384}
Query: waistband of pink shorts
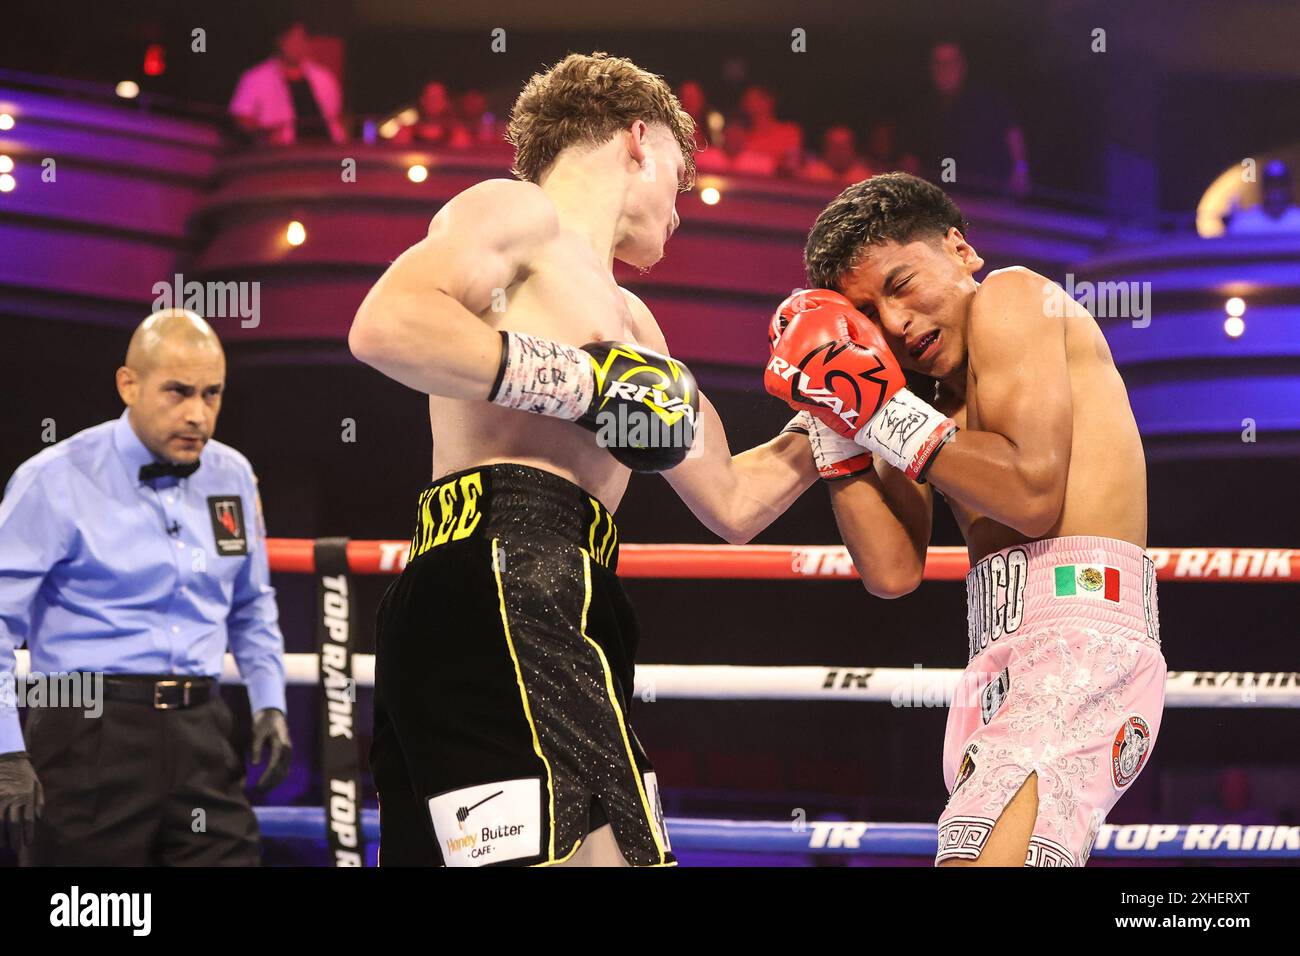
{"x":1079,"y":580}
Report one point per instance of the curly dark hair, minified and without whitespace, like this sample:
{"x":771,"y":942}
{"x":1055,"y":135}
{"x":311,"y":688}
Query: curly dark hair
{"x":893,"y":206}
{"x":587,"y":99}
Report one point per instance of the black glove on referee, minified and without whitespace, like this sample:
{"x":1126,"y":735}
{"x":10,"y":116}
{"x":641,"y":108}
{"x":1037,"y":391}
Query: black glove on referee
{"x":269,"y":726}
{"x":21,"y":799}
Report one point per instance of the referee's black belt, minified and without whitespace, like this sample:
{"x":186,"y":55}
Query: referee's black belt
{"x":161,"y":692}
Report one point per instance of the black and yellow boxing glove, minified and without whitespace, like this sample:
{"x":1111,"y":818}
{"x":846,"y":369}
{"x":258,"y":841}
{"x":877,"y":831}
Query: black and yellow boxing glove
{"x":643,"y":406}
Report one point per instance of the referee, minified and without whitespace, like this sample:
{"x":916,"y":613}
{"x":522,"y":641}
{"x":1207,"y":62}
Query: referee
{"x":134,"y":553}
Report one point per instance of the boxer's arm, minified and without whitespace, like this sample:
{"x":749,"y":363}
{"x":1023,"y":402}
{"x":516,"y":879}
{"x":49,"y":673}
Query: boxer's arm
{"x":884,"y":519}
{"x":1013,"y":470}
{"x":737,"y":496}
{"x":419,"y":325}
{"x":734,"y":496}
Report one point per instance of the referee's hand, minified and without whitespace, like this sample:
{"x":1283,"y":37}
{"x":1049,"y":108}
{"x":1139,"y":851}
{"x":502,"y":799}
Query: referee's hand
{"x":270,"y":727}
{"x":21,"y":799}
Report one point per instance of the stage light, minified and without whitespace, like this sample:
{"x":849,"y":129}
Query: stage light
{"x":417,"y":173}
{"x":1234,"y":325}
{"x":710,"y":196}
{"x":296,"y":234}
{"x":128,"y":89}
{"x":1235,"y":307}
{"x":7,"y":183}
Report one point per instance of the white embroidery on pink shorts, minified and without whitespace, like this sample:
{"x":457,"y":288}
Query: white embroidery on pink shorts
{"x":1059,"y":705}
{"x":1044,"y":852}
{"x":963,"y":838}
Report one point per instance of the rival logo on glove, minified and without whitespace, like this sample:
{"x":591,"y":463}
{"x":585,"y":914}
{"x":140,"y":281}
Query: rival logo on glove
{"x":667,"y":407}
{"x":802,"y":389}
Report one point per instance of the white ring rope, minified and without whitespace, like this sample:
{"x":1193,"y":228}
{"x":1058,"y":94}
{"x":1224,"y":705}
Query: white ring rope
{"x":900,"y":686}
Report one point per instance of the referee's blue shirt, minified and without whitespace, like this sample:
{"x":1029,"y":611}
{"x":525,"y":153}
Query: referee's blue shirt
{"x":100,"y":571}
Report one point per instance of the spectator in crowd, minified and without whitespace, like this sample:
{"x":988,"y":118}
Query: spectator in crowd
{"x":735,"y":156}
{"x":289,"y":98}
{"x":972,"y":126}
{"x":691,"y":95}
{"x":839,"y":161}
{"x":1277,"y":212}
{"x":1234,"y":803}
{"x":437,"y":123}
{"x":731,"y":88}
{"x":883,"y":154}
{"x":478,"y":126}
{"x":780,"y":140}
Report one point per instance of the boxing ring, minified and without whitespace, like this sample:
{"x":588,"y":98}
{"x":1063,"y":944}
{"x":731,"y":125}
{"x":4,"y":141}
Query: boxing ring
{"x":334,"y":559}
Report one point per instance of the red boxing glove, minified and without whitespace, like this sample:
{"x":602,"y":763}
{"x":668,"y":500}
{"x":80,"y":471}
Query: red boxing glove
{"x":826,"y":355}
{"x":804,"y":301}
{"x":829,"y":359}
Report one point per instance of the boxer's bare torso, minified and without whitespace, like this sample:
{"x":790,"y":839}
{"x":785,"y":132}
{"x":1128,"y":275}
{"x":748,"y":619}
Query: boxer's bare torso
{"x":1105,"y":491}
{"x":566,"y":294}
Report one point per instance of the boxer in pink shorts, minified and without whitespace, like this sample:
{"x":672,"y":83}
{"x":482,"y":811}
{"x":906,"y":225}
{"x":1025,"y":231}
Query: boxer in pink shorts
{"x":1066,"y":681}
{"x":1021,"y":421}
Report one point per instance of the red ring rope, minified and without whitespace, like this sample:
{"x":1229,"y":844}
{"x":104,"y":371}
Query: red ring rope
{"x":799,"y":562}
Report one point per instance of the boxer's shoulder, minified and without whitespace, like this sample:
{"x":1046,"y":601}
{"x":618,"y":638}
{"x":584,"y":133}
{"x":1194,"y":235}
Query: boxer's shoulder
{"x":498,"y":213}
{"x":501,"y":204}
{"x":1010,"y":286}
{"x":1008,"y":307}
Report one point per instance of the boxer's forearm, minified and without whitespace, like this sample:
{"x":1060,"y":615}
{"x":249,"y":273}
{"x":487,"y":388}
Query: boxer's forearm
{"x":418,"y":335}
{"x":768,"y":480}
{"x":1022,"y":488}
{"x":737,"y":496}
{"x":886,"y":528}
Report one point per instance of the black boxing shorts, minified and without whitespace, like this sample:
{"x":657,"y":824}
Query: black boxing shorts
{"x":503,"y":678}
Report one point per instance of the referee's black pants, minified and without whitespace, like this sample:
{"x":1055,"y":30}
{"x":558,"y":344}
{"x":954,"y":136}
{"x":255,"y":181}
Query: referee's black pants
{"x":138,"y":786}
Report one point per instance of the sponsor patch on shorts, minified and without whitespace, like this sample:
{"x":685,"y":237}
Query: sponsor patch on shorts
{"x":489,"y":823}
{"x":656,"y":807}
{"x":994,"y":694}
{"x":965,"y":769}
{"x":1128,"y":752}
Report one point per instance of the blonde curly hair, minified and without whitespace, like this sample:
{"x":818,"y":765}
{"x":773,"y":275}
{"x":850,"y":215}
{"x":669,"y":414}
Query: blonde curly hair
{"x":587,"y":99}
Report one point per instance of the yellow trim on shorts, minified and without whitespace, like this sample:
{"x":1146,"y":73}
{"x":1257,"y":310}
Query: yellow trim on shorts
{"x":609,"y":541}
{"x":618,"y":711}
{"x":528,"y":714}
{"x":564,"y":859}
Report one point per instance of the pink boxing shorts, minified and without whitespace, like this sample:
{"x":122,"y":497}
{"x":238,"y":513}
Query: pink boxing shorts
{"x":1065,"y":680}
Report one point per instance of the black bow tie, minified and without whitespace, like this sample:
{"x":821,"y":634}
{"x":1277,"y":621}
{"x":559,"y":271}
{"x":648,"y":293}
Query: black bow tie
{"x":165,"y":469}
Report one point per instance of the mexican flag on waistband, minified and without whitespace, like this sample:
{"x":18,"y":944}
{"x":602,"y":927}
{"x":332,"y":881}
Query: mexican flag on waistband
{"x":1087,"y":580}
